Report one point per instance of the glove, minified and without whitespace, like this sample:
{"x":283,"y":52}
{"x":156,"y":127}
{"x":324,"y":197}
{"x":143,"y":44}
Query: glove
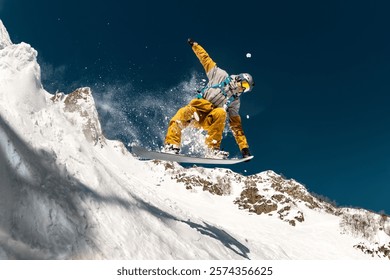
{"x":191,"y":42}
{"x":245,"y":153}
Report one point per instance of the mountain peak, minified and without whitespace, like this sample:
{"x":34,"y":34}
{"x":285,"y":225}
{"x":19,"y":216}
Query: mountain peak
{"x":81,"y":102}
{"x":4,"y":36}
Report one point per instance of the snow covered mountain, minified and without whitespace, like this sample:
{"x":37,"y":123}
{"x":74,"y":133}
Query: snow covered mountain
{"x":67,"y":192}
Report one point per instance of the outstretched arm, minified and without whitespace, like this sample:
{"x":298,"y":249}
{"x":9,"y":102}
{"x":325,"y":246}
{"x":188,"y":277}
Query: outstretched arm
{"x":202,"y":55}
{"x":235,"y":125}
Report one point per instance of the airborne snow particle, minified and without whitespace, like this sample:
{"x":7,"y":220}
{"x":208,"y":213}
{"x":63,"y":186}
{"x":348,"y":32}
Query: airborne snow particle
{"x":247,"y":116}
{"x":248,"y":55}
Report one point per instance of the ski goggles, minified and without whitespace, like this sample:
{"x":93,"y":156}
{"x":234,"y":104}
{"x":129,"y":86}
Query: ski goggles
{"x":246,"y":86}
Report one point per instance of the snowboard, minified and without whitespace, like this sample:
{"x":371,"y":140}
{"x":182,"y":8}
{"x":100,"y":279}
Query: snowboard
{"x":143,"y":153}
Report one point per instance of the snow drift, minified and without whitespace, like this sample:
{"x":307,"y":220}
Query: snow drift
{"x":67,"y":192}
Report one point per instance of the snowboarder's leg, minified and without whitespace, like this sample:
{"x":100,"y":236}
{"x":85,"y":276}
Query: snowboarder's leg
{"x":180,"y":120}
{"x":215,"y":124}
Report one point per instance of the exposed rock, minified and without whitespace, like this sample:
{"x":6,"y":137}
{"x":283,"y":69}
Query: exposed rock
{"x":81,"y":101}
{"x":381,"y":251}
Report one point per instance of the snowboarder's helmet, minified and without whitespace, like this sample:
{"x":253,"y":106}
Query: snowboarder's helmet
{"x":247,"y":81}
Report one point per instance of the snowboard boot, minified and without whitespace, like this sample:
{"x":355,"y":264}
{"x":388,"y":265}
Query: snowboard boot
{"x":216,"y":153}
{"x":171,"y":149}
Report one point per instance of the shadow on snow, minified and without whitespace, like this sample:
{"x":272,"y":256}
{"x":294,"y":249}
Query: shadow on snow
{"x":42,"y":207}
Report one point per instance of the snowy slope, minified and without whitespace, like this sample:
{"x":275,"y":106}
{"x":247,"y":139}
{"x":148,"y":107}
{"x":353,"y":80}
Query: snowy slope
{"x":67,"y":192}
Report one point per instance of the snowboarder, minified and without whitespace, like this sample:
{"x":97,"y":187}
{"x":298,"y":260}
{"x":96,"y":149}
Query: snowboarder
{"x":219,"y":99}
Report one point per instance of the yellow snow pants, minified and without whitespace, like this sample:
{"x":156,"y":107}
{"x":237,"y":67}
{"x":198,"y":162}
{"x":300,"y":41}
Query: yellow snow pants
{"x":211,"y":120}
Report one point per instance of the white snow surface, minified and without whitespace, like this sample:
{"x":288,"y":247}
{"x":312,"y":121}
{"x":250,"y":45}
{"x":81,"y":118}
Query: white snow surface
{"x":5,"y":40}
{"x":67,"y":192}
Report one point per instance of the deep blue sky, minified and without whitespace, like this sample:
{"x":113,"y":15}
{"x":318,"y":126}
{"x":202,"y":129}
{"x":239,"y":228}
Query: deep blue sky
{"x":320,"y":109}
